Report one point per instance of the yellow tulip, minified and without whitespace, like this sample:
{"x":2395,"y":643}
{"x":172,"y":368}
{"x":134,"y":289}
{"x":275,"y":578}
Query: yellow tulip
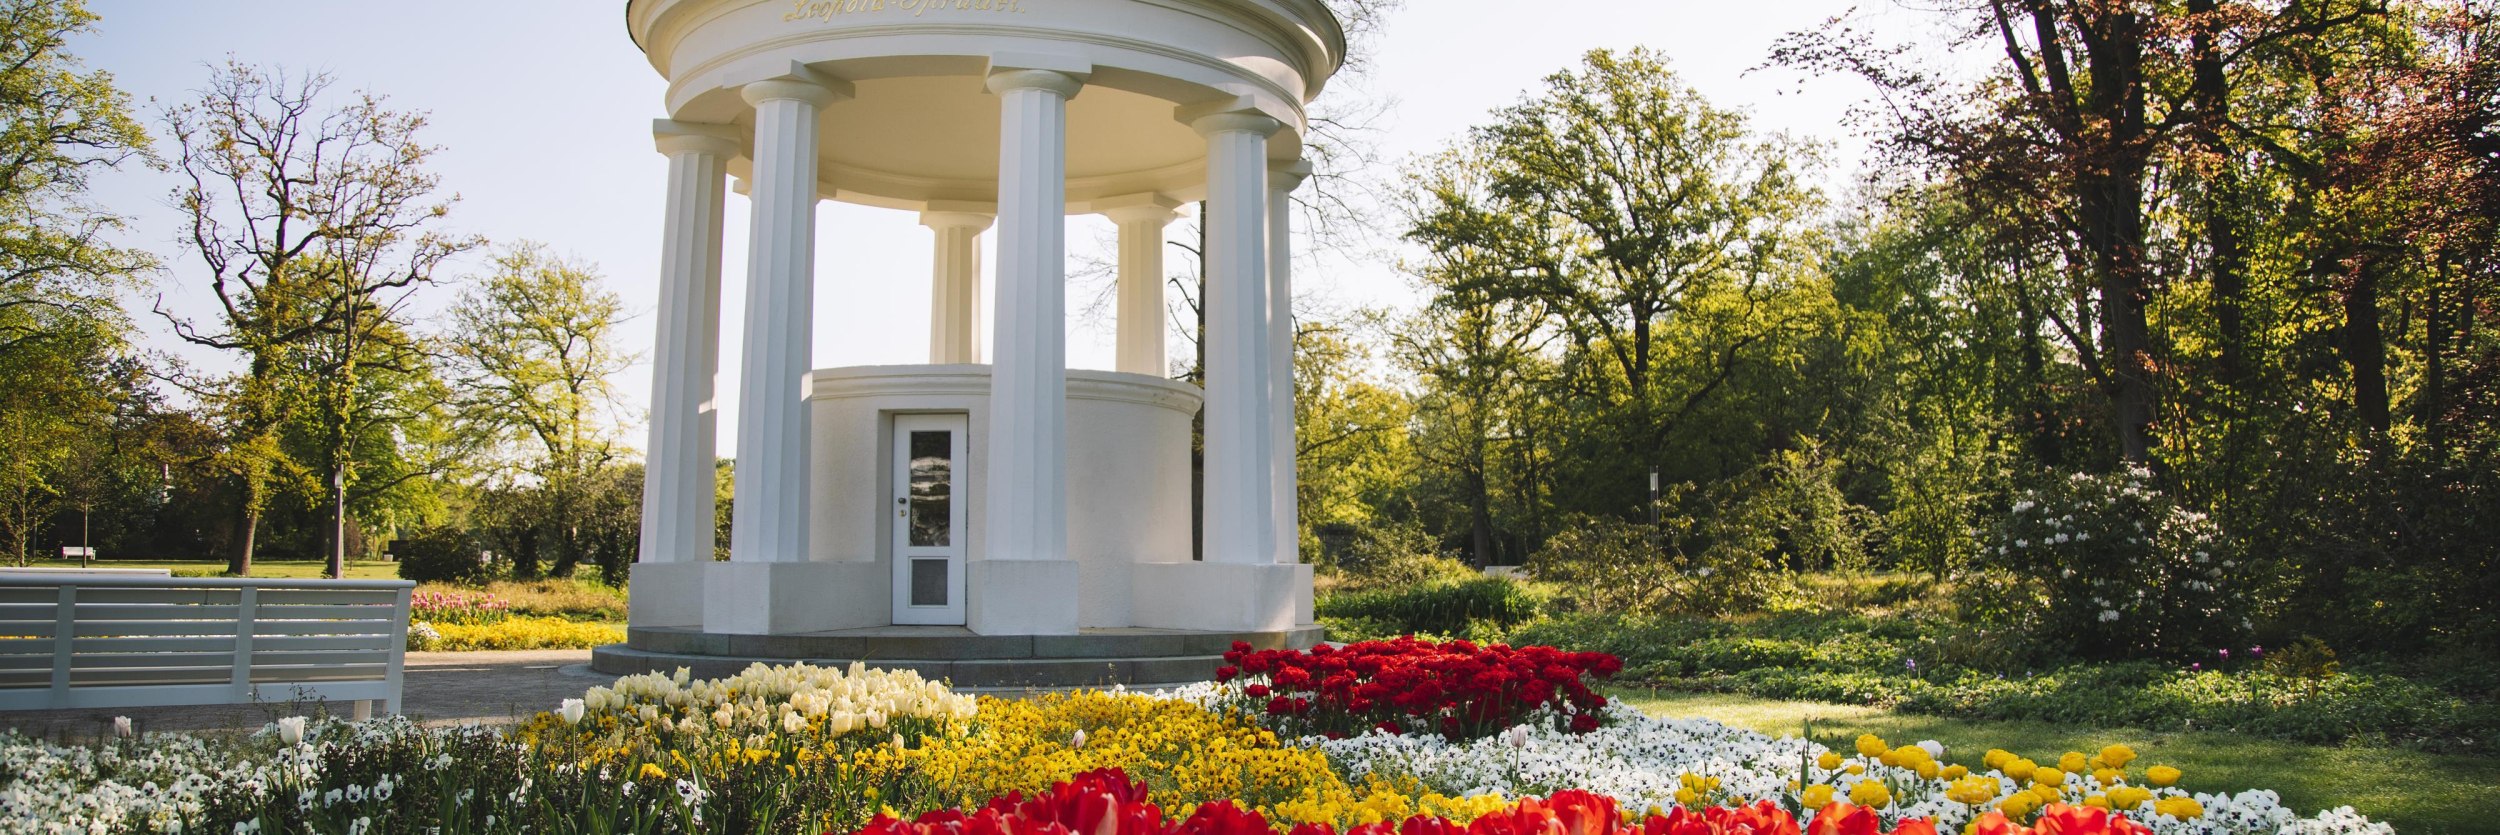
{"x":2020,"y":769}
{"x":2118,"y":756}
{"x":1997,"y":758}
{"x":2162,"y":775}
{"x":1816,"y":797}
{"x":1972,"y":791}
{"x":1955,"y":772}
{"x":1871,"y":794}
{"x":1871,"y":745}
{"x":2074,"y":763}
{"x":2183,"y":808}
{"x":2107,"y":777}
{"x":1830,"y":761}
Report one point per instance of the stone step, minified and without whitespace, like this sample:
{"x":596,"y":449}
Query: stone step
{"x":923,"y":644}
{"x":971,"y":674}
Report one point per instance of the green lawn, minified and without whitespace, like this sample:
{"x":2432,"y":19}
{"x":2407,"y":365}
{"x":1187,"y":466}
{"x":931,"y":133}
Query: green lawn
{"x":356,"y":569}
{"x":2418,"y":793}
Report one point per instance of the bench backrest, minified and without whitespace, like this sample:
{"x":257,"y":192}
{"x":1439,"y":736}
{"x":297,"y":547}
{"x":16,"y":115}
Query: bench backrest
{"x":116,"y":641}
{"x":43,"y":571}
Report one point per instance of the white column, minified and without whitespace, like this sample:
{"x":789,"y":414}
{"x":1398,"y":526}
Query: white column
{"x":770,"y":518}
{"x":1240,"y":502}
{"x":1141,"y":313}
{"x":677,"y":469}
{"x":955,"y":286}
{"x":1283,"y":445}
{"x":1027,"y":501}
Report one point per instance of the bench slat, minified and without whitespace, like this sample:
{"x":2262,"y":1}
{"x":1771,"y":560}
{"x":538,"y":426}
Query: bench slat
{"x":32,"y":613}
{"x":157,"y":596}
{"x":328,"y":627}
{"x":134,"y":659}
{"x":299,"y":659}
{"x":322,"y":611}
{"x":301,"y":597}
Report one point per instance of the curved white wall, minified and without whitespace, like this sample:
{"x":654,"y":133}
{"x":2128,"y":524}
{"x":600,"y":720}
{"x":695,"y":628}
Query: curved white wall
{"x":1128,"y":482}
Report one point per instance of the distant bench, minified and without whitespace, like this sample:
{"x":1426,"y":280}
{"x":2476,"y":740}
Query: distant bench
{"x":94,"y":640}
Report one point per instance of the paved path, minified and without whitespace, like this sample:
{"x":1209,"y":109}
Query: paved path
{"x":439,"y":688}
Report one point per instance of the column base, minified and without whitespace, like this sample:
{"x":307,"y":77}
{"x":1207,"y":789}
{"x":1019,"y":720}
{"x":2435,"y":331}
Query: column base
{"x":788,"y":598}
{"x":666,"y":594}
{"x":1222,"y":596}
{"x":1021,"y":597}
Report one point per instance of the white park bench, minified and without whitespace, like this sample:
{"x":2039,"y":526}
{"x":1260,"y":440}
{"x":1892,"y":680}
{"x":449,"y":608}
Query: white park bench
{"x":108,"y":641}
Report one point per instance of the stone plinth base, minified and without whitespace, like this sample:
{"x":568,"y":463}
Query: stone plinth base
{"x":1222,"y":596}
{"x":1021,"y":597}
{"x":1090,"y":658}
{"x":781,"y":598}
{"x":666,"y":593}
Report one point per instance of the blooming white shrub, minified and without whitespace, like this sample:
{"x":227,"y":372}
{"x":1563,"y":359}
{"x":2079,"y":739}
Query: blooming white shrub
{"x":2117,"y":568}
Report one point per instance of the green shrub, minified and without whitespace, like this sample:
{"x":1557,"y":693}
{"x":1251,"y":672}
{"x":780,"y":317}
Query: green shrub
{"x":1399,"y":554}
{"x":442,"y":555}
{"x":1463,"y":609}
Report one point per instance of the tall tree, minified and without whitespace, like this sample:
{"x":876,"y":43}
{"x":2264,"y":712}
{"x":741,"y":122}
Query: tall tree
{"x":1619,"y":198}
{"x":534,"y":349}
{"x":58,"y":126}
{"x":315,"y":226}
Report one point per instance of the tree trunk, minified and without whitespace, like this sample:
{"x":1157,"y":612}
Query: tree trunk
{"x":2365,"y":350}
{"x":2223,"y":235}
{"x":338,"y":522}
{"x":247,"y":526}
{"x":2114,"y":227}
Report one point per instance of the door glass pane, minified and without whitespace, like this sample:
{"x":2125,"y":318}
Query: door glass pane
{"x":932,"y":490}
{"x":928,"y":582}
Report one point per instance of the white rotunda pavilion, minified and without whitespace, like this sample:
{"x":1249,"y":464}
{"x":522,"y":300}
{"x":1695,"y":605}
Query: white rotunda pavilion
{"x":1010,"y":522}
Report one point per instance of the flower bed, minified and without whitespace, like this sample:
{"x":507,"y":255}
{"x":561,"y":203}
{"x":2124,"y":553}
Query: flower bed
{"x":1458,"y":689}
{"x":511,"y":634}
{"x":457,"y":607}
{"x":798,"y":749}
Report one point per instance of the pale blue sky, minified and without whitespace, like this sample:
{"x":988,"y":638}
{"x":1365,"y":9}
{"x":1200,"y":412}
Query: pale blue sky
{"x":543,"y":110}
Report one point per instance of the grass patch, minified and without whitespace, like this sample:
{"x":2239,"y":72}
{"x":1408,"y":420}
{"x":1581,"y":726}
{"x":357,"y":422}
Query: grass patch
{"x":2418,"y":792}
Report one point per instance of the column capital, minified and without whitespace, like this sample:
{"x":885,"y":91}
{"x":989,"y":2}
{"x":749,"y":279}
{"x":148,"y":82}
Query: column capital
{"x":1236,"y":114}
{"x":1138,"y":208}
{"x":1062,"y":74}
{"x":935,"y":218}
{"x":1288,"y":176}
{"x":799,"y":83}
{"x":675,"y":137}
{"x":1006,"y":81}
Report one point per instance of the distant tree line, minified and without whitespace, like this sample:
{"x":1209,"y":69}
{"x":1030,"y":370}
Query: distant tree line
{"x":2246,"y":249}
{"x":315,"y":231}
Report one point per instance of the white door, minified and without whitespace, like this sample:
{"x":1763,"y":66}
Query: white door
{"x":929,"y":455}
